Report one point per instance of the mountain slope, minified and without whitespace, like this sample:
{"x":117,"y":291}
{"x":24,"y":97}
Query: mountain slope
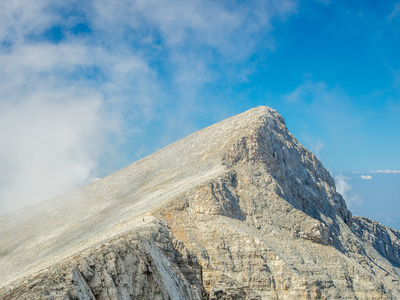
{"x":238,"y":210}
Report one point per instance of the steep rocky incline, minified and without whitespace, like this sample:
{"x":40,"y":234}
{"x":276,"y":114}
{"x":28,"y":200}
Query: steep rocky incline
{"x":127,"y":267}
{"x":385,"y":240}
{"x":238,"y":210}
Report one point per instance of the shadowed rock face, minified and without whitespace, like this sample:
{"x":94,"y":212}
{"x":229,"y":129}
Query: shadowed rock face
{"x":238,"y":210}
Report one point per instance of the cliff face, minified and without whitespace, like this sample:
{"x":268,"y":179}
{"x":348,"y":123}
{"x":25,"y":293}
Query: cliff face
{"x":239,"y":210}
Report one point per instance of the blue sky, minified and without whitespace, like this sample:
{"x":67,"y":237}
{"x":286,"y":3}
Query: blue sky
{"x":87,"y":87}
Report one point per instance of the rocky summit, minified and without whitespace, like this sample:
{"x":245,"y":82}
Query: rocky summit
{"x":238,"y":210}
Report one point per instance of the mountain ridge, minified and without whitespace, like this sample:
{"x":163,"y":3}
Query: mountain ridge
{"x":231,"y":208}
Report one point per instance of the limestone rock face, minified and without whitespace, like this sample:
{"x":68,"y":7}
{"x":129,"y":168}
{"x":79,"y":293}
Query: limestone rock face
{"x":385,"y":240}
{"x":238,"y":210}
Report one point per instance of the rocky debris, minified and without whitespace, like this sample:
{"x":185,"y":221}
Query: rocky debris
{"x":238,"y":210}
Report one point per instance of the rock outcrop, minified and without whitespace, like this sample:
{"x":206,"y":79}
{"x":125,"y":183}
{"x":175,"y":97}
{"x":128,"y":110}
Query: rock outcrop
{"x":238,"y":210}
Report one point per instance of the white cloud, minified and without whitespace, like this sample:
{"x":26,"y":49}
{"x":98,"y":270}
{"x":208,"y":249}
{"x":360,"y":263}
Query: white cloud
{"x":307,"y":90}
{"x":314,"y":144}
{"x":55,"y":123}
{"x":342,"y":186}
{"x":379,"y":171}
{"x":61,"y":102}
{"x":354,"y":201}
{"x":49,"y":144}
{"x":318,"y":147}
{"x":366,"y":177}
{"x":193,"y":35}
{"x":386,"y":171}
{"x":315,"y":95}
{"x":19,"y":19}
{"x":345,"y":189}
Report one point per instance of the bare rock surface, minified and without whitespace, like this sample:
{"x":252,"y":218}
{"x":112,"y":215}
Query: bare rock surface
{"x":238,"y":210}
{"x":384,"y":239}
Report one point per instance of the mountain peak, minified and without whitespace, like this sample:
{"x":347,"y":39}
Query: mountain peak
{"x":239,"y":209}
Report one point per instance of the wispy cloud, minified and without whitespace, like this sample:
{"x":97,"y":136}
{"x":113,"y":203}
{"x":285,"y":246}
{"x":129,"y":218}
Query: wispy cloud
{"x":318,"y":147}
{"x":345,"y":189}
{"x":323,"y":104}
{"x":368,"y":177}
{"x":379,"y":171}
{"x":71,"y":96}
{"x":48,"y":146}
{"x":395,"y":12}
{"x":386,"y":171}
{"x":315,"y":144}
{"x":316,"y":97}
{"x":342,"y":186}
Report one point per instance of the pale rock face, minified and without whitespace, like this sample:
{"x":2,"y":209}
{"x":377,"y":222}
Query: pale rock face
{"x":238,"y":210}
